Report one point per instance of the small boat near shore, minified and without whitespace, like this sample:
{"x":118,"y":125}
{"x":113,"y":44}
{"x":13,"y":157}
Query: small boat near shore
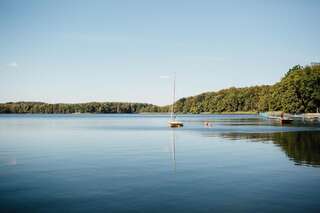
{"x":279,"y":116}
{"x":285,"y":120}
{"x":175,"y":124}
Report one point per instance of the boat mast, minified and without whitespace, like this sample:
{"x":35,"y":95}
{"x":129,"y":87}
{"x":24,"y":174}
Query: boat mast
{"x":173,"y":98}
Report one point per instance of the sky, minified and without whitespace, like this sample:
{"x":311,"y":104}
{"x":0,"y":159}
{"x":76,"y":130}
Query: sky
{"x":86,"y":50}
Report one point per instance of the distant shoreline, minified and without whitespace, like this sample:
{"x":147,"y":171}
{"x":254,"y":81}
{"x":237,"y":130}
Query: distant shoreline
{"x":137,"y":113}
{"x":297,"y":92}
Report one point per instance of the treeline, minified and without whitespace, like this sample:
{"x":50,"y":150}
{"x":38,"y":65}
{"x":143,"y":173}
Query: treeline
{"x":297,"y":92}
{"x":92,"y":107}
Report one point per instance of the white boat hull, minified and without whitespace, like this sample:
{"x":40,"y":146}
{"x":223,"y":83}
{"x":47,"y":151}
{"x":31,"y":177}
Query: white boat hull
{"x":175,"y":124}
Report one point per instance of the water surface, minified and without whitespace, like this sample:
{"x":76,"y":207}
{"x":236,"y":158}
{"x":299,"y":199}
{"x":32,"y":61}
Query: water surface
{"x":135,"y":163}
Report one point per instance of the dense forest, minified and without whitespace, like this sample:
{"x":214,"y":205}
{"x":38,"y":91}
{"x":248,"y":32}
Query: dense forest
{"x":92,"y":107}
{"x":297,"y":92}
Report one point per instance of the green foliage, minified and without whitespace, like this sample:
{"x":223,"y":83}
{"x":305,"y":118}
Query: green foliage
{"x":298,"y":91}
{"x":227,"y":100}
{"x":93,"y":107}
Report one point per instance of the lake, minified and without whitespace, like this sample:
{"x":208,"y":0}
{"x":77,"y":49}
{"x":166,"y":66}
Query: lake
{"x":135,"y":163}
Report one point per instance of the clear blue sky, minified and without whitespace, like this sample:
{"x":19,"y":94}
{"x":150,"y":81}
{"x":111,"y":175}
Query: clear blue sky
{"x":79,"y":51}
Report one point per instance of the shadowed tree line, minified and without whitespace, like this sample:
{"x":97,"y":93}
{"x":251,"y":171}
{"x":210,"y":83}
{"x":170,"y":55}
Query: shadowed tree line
{"x":297,"y":92}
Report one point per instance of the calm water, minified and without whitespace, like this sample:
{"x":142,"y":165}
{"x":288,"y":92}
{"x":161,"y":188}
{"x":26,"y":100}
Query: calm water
{"x":135,"y":163}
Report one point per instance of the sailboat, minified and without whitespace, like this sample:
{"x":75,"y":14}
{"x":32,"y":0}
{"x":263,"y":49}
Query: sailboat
{"x":173,"y":123}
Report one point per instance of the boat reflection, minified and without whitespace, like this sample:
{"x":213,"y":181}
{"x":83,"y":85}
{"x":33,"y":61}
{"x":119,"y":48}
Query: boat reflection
{"x":301,"y":147}
{"x":173,"y":150}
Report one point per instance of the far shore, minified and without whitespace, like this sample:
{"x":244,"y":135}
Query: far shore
{"x":139,"y":113}
{"x":277,"y":113}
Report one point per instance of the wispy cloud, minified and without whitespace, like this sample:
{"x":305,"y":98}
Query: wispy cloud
{"x":9,"y":66}
{"x":13,"y":64}
{"x":164,"y":76}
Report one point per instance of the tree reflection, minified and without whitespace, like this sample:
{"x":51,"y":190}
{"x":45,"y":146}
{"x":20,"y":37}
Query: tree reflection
{"x":301,"y":147}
